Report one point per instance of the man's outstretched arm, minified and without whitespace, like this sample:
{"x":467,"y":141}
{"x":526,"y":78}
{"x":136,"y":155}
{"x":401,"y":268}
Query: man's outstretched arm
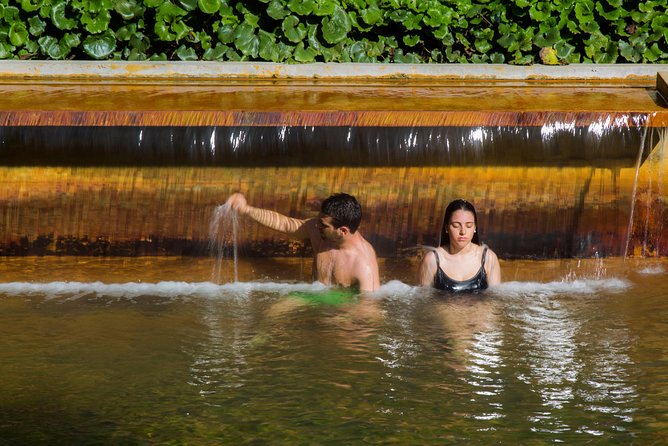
{"x":271,"y":219}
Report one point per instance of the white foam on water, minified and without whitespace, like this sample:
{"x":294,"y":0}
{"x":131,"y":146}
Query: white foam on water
{"x":392,"y":289}
{"x":651,"y":270}
{"x":395,"y":289}
{"x":167,"y":289}
{"x":571,"y":287}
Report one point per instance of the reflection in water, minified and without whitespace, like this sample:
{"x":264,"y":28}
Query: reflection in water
{"x":219,"y":358}
{"x":471,"y":322}
{"x":574,"y":359}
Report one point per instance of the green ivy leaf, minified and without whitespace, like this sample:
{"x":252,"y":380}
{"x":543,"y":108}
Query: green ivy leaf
{"x":293,"y":29}
{"x":268,"y":48}
{"x":181,"y":29}
{"x":497,"y":58}
{"x":216,"y":53}
{"x":358,"y":52}
{"x":400,"y":57}
{"x":188,"y":5}
{"x":609,"y":54}
{"x":540,"y":11}
{"x":37,"y":25}
{"x":438,"y":16}
{"x":97,"y":23}
{"x":372,"y":15}
{"x":547,"y":39}
{"x":653,"y":53}
{"x":100,"y":46}
{"x":124,"y":33}
{"x":325,"y":7}
{"x":31,"y":5}
{"x":18,"y":34}
{"x":411,"y":40}
{"x":612,"y":15}
{"x":128,"y":9}
{"x":482,"y":45}
{"x":301,"y":7}
{"x":594,"y":44}
{"x":509,"y":42}
{"x":660,"y":25}
{"x":158,"y":57}
{"x":328,"y":54}
{"x":413,"y":21}
{"x":226,"y":34}
{"x":10,"y":13}
{"x":71,"y":39}
{"x":186,"y":53}
{"x":6,"y":51}
{"x":522,"y":60}
{"x":276,"y":11}
{"x":134,"y":55}
{"x":232,"y":55}
{"x":246,"y":41}
{"x":139,"y":42}
{"x":304,"y":55}
{"x":564,"y":50}
{"x":53,"y":48}
{"x":31,"y":47}
{"x":584,"y":11}
{"x":209,"y":6}
{"x":59,"y":19}
{"x":336,"y":28}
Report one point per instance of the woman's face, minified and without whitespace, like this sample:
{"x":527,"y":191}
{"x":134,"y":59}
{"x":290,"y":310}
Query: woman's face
{"x":461,"y":228}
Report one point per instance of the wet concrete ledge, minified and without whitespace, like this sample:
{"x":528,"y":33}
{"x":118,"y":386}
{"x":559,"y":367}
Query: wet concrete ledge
{"x":662,"y":85}
{"x":639,"y":75}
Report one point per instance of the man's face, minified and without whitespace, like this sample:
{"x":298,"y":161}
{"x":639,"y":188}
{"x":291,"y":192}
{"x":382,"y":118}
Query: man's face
{"x":327,"y":229}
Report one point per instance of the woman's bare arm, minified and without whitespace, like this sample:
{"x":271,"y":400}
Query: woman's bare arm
{"x":427,"y":269}
{"x":493,"y":268}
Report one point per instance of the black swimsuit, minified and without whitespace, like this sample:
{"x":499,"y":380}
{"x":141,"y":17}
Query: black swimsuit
{"x":475,"y":283}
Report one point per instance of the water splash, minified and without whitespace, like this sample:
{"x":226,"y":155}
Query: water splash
{"x":597,"y":271}
{"x":223,"y":236}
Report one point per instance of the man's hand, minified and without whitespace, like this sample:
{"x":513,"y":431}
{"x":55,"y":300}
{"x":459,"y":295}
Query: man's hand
{"x":237,"y":202}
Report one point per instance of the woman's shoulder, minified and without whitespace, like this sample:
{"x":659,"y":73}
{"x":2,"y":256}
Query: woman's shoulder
{"x":430,"y":253}
{"x":487,"y":252}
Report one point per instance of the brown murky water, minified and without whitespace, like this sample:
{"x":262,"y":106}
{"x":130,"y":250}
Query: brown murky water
{"x":148,"y":351}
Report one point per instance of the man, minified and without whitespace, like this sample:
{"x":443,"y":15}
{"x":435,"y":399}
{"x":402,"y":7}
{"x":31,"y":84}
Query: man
{"x":341,"y":256}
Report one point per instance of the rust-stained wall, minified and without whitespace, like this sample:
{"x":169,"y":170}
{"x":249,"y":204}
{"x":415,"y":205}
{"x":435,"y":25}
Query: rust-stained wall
{"x":523,"y":212}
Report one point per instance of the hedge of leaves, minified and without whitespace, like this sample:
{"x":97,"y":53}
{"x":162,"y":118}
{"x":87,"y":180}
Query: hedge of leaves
{"x":302,"y":31}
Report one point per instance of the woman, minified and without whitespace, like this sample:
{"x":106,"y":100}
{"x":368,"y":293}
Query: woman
{"x":461,"y":263}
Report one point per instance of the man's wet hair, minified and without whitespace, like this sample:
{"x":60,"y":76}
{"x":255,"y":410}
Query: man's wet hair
{"x":458,"y":205}
{"x":344,"y":211}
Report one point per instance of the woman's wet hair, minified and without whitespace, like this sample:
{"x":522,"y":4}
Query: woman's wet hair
{"x":458,"y":205}
{"x":344,"y":210}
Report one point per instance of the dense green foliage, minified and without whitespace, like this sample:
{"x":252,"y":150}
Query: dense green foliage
{"x":300,"y":31}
